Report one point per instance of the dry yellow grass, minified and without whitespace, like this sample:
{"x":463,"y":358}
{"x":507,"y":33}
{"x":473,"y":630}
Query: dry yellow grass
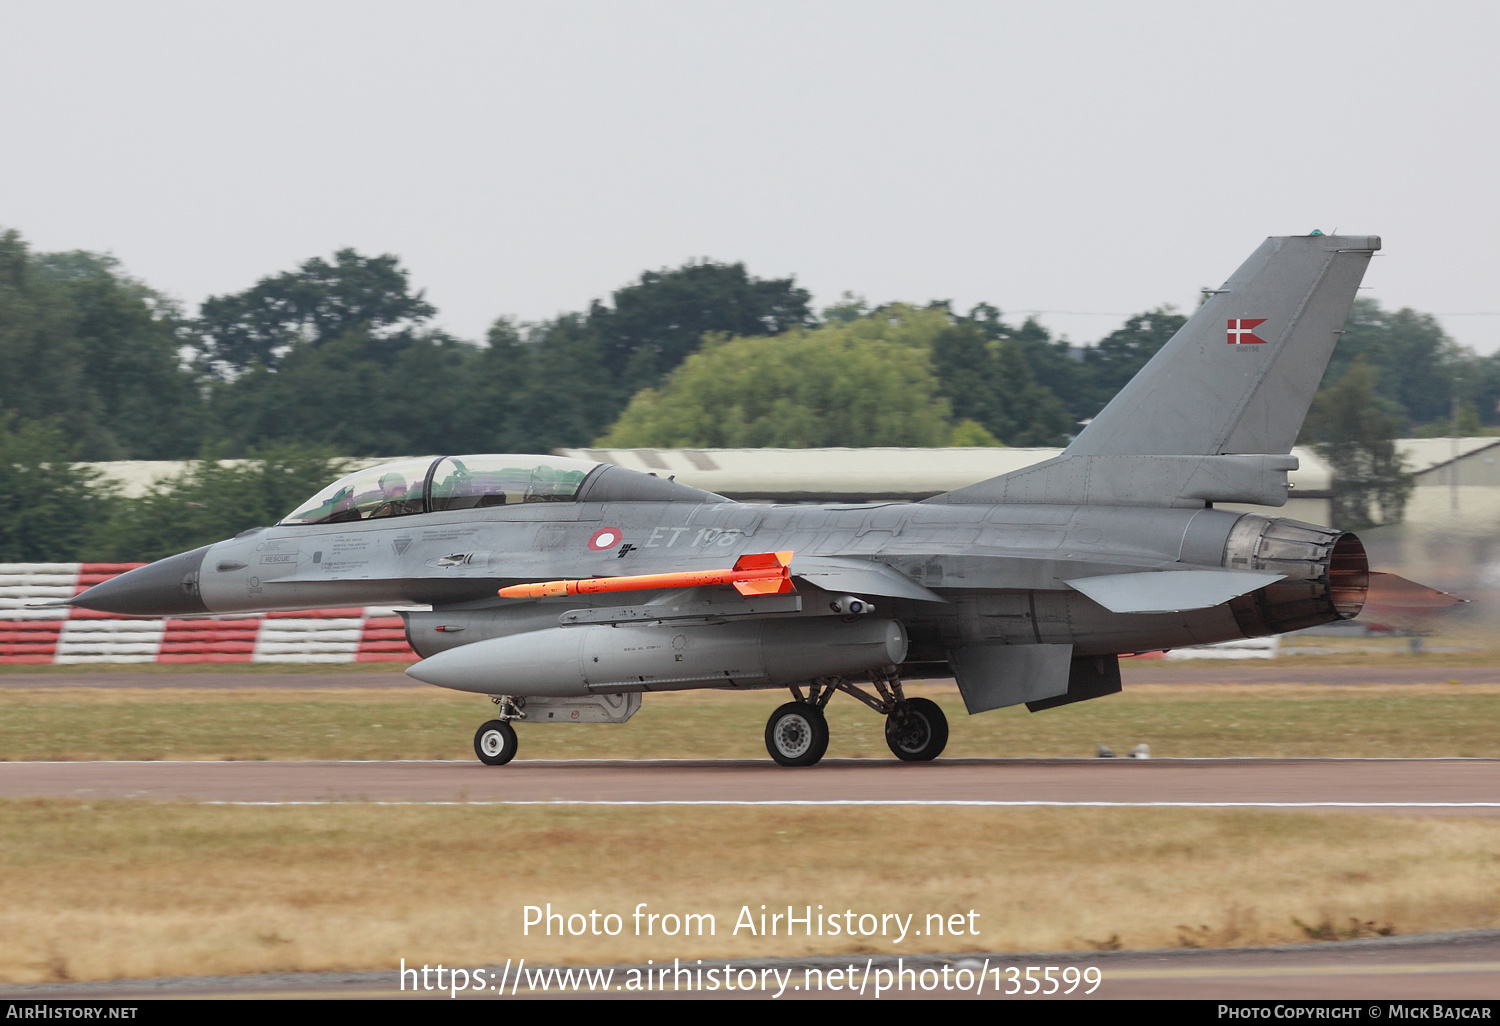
{"x":131,"y":890}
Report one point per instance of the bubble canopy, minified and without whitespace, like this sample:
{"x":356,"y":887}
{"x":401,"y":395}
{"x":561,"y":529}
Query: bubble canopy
{"x":447,"y":483}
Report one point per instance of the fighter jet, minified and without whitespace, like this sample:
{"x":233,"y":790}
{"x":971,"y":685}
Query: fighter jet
{"x":565,"y":589}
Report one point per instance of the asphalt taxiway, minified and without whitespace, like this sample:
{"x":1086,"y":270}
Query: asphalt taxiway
{"x":1459,"y":966}
{"x":1456,"y":786}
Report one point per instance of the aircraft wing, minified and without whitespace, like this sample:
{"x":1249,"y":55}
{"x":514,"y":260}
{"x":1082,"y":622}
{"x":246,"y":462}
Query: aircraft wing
{"x":860,"y":578}
{"x":1170,"y":591}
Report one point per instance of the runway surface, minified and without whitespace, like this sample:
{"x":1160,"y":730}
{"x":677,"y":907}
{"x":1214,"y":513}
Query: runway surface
{"x":1455,"y":786}
{"x":1141,"y":671}
{"x":1448,"y":967}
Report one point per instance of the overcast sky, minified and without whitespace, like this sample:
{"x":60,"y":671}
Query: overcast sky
{"x":1089,"y":160}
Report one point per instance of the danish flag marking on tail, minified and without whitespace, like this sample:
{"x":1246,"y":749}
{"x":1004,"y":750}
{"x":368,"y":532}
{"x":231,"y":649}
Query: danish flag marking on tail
{"x":1241,"y":330}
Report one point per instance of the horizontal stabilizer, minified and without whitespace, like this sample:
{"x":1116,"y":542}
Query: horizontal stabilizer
{"x":1170,"y":591}
{"x":860,"y":578}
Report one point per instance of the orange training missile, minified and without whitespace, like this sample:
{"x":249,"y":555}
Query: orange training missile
{"x":761,"y":573}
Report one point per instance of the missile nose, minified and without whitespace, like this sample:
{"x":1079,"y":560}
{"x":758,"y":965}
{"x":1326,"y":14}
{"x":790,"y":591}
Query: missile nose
{"x":168,"y":587}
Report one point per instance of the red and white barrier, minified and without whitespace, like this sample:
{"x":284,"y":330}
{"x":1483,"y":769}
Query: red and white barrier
{"x":71,"y":635}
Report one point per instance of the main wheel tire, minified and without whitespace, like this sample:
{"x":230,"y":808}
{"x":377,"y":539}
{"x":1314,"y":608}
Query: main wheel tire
{"x":797,"y":734}
{"x":917,"y":731}
{"x":495,"y":743}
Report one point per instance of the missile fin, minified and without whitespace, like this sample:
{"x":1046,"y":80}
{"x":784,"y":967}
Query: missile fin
{"x":776,"y":586}
{"x":763,"y":561}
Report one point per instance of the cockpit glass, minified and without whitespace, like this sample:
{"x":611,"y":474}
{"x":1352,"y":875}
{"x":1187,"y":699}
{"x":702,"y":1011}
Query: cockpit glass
{"x":390,"y":490}
{"x":457,"y":482}
{"x":468,"y":482}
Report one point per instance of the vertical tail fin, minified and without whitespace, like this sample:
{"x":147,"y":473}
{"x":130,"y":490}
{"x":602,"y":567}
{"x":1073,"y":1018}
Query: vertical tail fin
{"x":1241,"y":374}
{"x":1213,"y":415}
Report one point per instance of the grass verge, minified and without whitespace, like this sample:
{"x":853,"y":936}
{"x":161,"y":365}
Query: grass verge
{"x":1175,"y":720}
{"x":135,"y":889}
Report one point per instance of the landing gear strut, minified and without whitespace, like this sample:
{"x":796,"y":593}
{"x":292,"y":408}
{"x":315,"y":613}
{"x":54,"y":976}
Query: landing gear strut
{"x":495,"y":742}
{"x":915,"y":728}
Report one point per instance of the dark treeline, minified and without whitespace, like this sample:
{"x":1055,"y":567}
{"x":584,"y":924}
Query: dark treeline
{"x":339,"y":357}
{"x":339,"y":354}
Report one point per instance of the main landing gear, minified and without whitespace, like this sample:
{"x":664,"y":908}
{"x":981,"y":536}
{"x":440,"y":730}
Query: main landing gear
{"x":916,"y":730}
{"x":797,"y":733}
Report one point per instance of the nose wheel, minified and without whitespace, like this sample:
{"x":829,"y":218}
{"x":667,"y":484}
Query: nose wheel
{"x":797,"y":734}
{"x":495,"y":743}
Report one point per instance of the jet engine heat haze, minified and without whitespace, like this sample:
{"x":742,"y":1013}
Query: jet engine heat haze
{"x":564,"y":589}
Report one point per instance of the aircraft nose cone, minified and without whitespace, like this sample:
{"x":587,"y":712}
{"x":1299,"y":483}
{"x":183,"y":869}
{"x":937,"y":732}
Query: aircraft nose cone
{"x":168,"y":587}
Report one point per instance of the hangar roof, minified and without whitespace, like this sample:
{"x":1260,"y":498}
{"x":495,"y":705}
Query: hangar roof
{"x":793,"y":475}
{"x":834,"y":475}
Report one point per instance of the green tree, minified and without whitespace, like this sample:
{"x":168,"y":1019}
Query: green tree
{"x":356,"y":394}
{"x":1052,"y":363}
{"x":49,"y":507}
{"x":330,"y":354}
{"x":1117,"y":357}
{"x":972,"y":434}
{"x":850,"y":307}
{"x":657,"y":322}
{"x":1417,"y":366}
{"x":1479,"y":385}
{"x":315,"y":304}
{"x":991,"y":382}
{"x":211,"y":500}
{"x":1354,"y":431}
{"x":858,"y":383}
{"x":85,"y":344}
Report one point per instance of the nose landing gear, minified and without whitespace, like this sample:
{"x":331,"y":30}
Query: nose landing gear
{"x":495,"y":743}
